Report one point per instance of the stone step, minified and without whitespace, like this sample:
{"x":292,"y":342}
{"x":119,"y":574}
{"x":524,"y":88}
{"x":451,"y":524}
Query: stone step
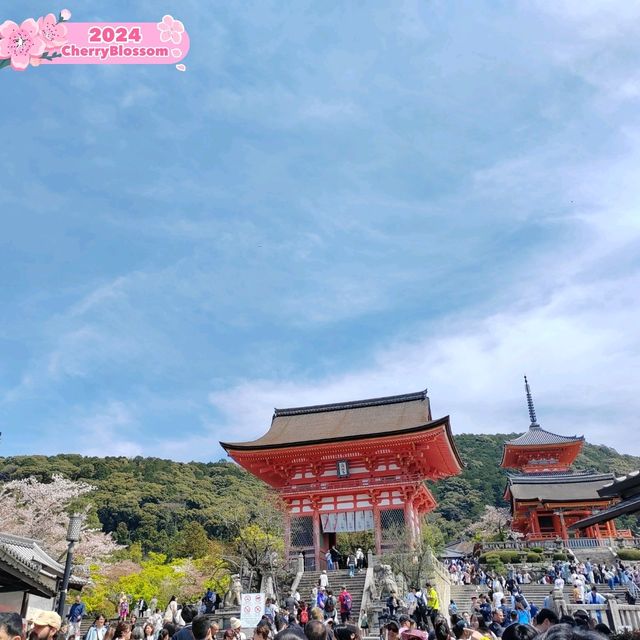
{"x":533,"y":592}
{"x":337,"y":579}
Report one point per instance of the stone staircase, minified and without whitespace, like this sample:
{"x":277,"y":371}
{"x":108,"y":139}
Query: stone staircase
{"x":532,"y":592}
{"x":337,"y":579}
{"x":596,"y":555}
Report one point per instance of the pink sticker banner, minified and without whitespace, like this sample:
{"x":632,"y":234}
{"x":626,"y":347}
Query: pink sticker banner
{"x":50,"y":40}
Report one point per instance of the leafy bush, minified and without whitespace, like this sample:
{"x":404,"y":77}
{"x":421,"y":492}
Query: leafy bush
{"x":501,"y":555}
{"x":534,"y":557}
{"x":536,"y":549}
{"x":629,"y":554}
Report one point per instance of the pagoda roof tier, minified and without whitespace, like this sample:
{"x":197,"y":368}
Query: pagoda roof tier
{"x":557,"y":487}
{"x":336,"y":422}
{"x":537,"y":435}
{"x":542,"y":450}
{"x":538,"y":449}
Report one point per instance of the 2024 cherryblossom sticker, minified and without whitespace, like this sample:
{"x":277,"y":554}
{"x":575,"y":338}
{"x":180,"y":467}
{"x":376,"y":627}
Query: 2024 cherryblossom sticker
{"x":53,"y":40}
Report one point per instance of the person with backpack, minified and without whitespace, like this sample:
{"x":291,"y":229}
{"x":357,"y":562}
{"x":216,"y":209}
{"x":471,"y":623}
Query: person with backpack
{"x":393,"y":604}
{"x":346,"y":603}
{"x":351,"y":564}
{"x":330,"y":606}
{"x":303,"y":613}
{"x":420,"y":612}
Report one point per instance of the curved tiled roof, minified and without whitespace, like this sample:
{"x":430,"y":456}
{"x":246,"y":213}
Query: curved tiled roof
{"x":558,"y":487}
{"x":344,"y":420}
{"x":15,"y":560}
{"x":419,"y":396}
{"x":30,"y":551}
{"x":537,"y":435}
{"x":623,"y":486}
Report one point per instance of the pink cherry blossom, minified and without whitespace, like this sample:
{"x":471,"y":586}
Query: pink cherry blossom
{"x":53,"y":33}
{"x":39,"y":510}
{"x":181,"y":67}
{"x":20,"y":43}
{"x":65,"y":15}
{"x":170,"y":30}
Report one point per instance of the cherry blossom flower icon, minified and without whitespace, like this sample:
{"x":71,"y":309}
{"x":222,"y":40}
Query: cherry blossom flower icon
{"x":170,"y":30}
{"x":19,"y":43}
{"x":53,"y":33}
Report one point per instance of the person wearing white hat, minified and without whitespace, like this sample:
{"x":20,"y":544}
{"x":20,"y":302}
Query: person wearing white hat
{"x":236,"y":626}
{"x":45,"y":624}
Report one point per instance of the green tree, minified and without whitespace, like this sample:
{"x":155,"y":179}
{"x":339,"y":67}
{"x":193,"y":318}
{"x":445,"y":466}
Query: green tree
{"x":192,"y":541}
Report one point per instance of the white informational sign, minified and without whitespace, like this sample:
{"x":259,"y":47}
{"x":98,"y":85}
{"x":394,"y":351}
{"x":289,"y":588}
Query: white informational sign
{"x":251,"y":609}
{"x":349,"y":521}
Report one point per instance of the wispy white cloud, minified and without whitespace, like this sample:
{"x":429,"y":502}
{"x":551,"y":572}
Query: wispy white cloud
{"x":110,"y":429}
{"x":332,"y":203}
{"x":580,"y":354}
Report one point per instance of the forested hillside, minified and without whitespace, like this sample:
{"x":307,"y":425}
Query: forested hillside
{"x":149,"y":500}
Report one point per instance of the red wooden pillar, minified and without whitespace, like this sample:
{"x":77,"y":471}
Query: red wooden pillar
{"x":563,"y":528}
{"x":534,"y":523}
{"x":409,"y":523}
{"x":611,"y":529}
{"x":287,"y":533}
{"x":316,"y":537}
{"x":377,"y":528}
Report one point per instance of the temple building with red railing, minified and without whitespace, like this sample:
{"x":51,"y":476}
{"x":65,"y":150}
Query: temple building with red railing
{"x":352,"y":466}
{"x":547,"y":496}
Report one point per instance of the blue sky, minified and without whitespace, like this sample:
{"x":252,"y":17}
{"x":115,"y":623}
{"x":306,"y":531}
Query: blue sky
{"x":336,"y":200}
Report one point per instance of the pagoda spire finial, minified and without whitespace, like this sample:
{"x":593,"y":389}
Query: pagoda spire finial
{"x":532,"y":411}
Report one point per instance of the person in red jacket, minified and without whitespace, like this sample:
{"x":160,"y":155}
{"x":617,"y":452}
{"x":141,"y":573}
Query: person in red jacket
{"x":346,"y":602}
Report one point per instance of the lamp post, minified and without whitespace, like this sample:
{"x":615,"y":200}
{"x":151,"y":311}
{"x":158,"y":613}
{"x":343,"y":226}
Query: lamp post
{"x":73,"y":535}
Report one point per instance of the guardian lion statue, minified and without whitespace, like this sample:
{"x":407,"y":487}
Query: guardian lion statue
{"x":232,"y":597}
{"x":386,"y":582}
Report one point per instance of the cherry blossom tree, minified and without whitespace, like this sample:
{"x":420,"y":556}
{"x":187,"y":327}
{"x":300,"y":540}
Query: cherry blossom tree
{"x":40,"y":510}
{"x":492,"y":523}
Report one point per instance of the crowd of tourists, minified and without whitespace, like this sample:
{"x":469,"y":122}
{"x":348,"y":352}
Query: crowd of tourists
{"x":47,"y":625}
{"x":559,"y":574}
{"x":474,"y":625}
{"x":469,"y":571}
{"x":502,"y":611}
{"x":137,"y":620}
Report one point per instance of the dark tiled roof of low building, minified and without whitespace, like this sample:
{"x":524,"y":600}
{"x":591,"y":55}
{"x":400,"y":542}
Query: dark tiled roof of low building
{"x":558,"y":487}
{"x":624,"y":486}
{"x":27,"y":566}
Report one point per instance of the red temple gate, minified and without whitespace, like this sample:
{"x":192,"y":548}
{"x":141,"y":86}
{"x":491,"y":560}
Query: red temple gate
{"x":352,"y":466}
